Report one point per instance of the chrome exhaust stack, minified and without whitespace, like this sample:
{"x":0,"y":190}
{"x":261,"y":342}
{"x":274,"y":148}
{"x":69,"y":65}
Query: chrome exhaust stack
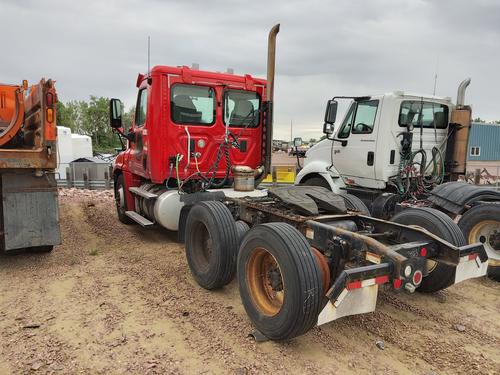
{"x":461,"y":92}
{"x":267,"y":135}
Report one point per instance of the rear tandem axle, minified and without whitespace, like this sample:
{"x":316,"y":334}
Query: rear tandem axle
{"x":301,"y":264}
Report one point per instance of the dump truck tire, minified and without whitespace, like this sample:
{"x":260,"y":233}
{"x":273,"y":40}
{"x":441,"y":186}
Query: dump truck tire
{"x":242,"y":228}
{"x":482,"y":224}
{"x":211,"y":244}
{"x":353,"y":203}
{"x":280,"y":281}
{"x":440,"y":275}
{"x":121,"y":201}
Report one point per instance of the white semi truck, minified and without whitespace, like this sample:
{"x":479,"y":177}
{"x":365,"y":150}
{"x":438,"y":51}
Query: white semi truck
{"x":401,"y":150}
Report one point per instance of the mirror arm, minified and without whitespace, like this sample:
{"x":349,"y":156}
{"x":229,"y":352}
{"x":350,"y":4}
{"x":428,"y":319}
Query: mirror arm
{"x":129,"y":137}
{"x":343,"y":142}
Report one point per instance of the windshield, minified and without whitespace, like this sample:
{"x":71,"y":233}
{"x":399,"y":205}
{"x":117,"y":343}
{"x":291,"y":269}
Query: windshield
{"x":241,"y":108}
{"x":193,"y":104}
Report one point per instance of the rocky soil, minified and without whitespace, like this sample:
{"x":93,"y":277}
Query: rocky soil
{"x":120,"y":299}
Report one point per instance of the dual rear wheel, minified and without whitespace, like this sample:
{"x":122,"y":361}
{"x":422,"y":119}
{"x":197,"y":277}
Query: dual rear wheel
{"x":280,"y":279}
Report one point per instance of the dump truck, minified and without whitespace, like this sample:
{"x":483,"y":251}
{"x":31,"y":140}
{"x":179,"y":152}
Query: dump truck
{"x":401,"y":150}
{"x":29,"y":213}
{"x":200,"y":145}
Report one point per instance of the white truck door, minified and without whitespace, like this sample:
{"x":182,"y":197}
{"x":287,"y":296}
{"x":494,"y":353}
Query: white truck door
{"x":356,"y":160}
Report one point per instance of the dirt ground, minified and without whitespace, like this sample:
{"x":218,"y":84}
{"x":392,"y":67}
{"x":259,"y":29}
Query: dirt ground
{"x":120,"y":299}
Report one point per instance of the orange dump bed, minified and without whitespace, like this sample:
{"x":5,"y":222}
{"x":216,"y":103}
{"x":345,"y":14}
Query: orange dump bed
{"x":28,"y":129}
{"x":11,"y":112}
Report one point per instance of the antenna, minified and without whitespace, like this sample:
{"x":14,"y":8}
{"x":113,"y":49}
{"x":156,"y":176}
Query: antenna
{"x":149,"y":53}
{"x":436,"y":76}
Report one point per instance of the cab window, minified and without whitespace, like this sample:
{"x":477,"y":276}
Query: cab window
{"x":241,"y":108}
{"x":191,"y":104}
{"x":364,"y":120}
{"x":430,"y":115}
{"x":345,"y":128}
{"x":142,"y":107}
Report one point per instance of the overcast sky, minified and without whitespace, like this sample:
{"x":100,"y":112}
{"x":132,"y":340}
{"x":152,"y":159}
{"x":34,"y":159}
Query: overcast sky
{"x":325,"y":48}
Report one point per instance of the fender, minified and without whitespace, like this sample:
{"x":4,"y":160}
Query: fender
{"x":321,"y":168}
{"x":455,"y":196}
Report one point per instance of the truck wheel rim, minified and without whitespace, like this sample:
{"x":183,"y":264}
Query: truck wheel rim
{"x":265,"y":282}
{"x":202,"y":247}
{"x":488,"y":233}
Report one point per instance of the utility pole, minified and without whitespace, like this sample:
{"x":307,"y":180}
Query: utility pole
{"x":291,"y":131}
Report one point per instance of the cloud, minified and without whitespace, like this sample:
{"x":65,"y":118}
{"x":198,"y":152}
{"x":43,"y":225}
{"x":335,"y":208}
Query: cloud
{"x":325,"y":48}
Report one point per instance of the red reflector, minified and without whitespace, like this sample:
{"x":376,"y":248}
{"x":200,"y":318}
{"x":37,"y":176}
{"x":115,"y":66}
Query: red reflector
{"x":354,"y":285}
{"x":472,"y":256}
{"x":397,"y":283}
{"x":381,"y":279}
{"x":417,"y":277}
{"x":423,"y":252}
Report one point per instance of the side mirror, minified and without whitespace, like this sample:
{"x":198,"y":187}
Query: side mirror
{"x":115,"y":113}
{"x":331,"y":112}
{"x":297,"y":142}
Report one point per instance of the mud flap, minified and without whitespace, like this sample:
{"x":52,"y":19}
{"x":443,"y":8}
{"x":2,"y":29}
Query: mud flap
{"x":469,"y":267}
{"x":350,"y":302}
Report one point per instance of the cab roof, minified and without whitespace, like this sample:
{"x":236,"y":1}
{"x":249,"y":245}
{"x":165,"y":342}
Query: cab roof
{"x":190,"y":75}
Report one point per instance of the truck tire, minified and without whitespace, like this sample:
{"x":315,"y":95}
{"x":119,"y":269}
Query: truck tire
{"x":211,"y":244}
{"x":317,"y":181}
{"x":121,"y":201}
{"x":353,"y":203}
{"x":242,"y":228}
{"x":482,"y":224}
{"x":280,"y":281}
{"x":440,"y":275}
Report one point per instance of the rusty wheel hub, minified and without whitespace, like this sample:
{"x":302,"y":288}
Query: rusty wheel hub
{"x":265,"y":281}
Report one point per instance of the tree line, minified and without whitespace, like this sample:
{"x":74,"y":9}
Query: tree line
{"x":92,"y":118}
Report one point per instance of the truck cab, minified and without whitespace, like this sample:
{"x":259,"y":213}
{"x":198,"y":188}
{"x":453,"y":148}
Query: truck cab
{"x":365,"y":149}
{"x":192,"y":128}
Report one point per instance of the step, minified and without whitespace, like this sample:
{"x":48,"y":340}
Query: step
{"x":142,"y":193}
{"x":141,"y":220}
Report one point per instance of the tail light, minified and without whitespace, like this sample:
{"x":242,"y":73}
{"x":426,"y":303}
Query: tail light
{"x":423,"y":252}
{"x":49,"y":99}
{"x":50,"y":115}
{"x":396,"y":283}
{"x":417,"y":278}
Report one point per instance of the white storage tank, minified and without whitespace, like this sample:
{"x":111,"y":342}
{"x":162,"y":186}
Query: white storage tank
{"x":70,"y":147}
{"x":64,"y":151}
{"x":82,"y":146}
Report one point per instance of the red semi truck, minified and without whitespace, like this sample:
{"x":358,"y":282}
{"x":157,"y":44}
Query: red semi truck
{"x":200,"y":145}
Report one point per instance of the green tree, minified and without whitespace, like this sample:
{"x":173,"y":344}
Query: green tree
{"x":89,"y":118}
{"x":128,"y":118}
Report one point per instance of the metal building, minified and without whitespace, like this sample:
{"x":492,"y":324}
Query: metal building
{"x":484,"y":148}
